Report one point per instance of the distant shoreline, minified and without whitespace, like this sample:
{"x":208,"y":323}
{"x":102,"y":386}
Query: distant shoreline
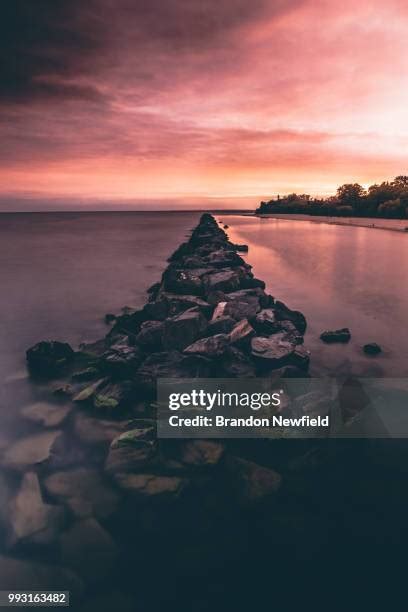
{"x":395,"y":225}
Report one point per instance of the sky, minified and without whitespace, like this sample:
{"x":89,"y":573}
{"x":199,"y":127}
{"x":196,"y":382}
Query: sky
{"x":198,"y":103}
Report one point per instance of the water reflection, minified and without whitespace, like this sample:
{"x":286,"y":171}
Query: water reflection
{"x":339,"y":277}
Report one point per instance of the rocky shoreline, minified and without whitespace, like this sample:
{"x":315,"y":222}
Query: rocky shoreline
{"x":91,"y":481}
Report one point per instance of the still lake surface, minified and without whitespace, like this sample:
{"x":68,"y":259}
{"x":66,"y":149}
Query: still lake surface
{"x":61,"y":272}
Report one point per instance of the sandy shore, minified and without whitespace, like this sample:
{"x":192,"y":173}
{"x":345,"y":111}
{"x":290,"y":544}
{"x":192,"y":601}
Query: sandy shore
{"x":396,"y":225}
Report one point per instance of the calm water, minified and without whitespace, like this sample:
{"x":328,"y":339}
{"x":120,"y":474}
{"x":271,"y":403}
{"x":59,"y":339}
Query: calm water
{"x":337,"y":276}
{"x":60,"y":274}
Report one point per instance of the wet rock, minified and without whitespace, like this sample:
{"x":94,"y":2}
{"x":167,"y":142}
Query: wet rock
{"x":219,"y":311}
{"x":236,"y":364}
{"x":224,"y":259}
{"x":45,"y":414}
{"x":242,"y":333}
{"x":241,"y":247}
{"x":183,"y":281}
{"x":252,"y":482}
{"x":132,"y":451}
{"x":31,"y":451}
{"x":31,"y":520}
{"x":291,"y":331}
{"x":121,"y":360}
{"x":153,"y":290}
{"x":109,"y":318}
{"x":169,"y":364}
{"x":283,"y":313}
{"x":112,"y":397}
{"x":183,"y":329}
{"x":265,"y":321}
{"x":239,"y":309}
{"x":16,"y":574}
{"x":179,"y":303}
{"x":300,"y":357}
{"x":275,"y":349}
{"x":338,"y":335}
{"x":84,"y":491}
{"x":156,"y":311}
{"x":151,"y":486}
{"x":85,"y":375}
{"x":96,"y":431}
{"x":220,"y":325}
{"x":63,"y":391}
{"x":150,"y":335}
{"x":215,"y":297}
{"x":89,"y":550}
{"x":213,"y":346}
{"x":201,"y":453}
{"x":227,"y":280}
{"x":47,"y":358}
{"x":372,"y":348}
{"x":88,"y":392}
{"x":249,"y":282}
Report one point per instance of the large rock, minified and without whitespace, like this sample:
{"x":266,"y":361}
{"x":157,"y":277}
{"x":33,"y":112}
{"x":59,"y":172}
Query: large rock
{"x":265,"y":322}
{"x":29,"y":452}
{"x":237,"y":364}
{"x":90,"y":550}
{"x":179,"y":303}
{"x":183,"y":281}
{"x":220,"y":325}
{"x":242,"y":333}
{"x":31,"y":520}
{"x":339,"y":335}
{"x":121,"y":360}
{"x":213,"y":346}
{"x":132,"y":451}
{"x":17,"y":575}
{"x":170,"y":364}
{"x":150,"y":335}
{"x":241,"y":309}
{"x":283,"y":313}
{"x":47,"y":358}
{"x":46,"y":414}
{"x":183,"y":329}
{"x":224,"y":259}
{"x":151,"y":486}
{"x":276,"y":349}
{"x":227,"y":280}
{"x":84,"y":491}
{"x":372,"y":348}
{"x":252,"y":482}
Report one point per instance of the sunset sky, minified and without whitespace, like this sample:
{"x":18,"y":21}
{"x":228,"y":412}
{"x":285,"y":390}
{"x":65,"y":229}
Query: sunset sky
{"x":183,"y":103}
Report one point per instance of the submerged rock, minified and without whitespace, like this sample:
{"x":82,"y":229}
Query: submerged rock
{"x":338,"y":335}
{"x":45,"y":414}
{"x":47,"y":358}
{"x":31,"y":520}
{"x":31,"y":451}
{"x":84,"y":491}
{"x":96,"y":431}
{"x":132,"y":450}
{"x":372,"y":348}
{"x":151,"y":486}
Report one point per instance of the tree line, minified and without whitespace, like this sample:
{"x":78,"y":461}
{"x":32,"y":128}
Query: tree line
{"x":387,"y":200}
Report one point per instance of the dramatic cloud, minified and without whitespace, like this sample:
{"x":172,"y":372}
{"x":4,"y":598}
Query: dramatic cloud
{"x":153,"y":99}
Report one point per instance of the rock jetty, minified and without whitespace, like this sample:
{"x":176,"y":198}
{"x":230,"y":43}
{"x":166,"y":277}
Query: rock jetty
{"x":91,"y":466}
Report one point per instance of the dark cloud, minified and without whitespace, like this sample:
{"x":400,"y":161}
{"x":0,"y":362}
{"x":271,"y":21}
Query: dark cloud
{"x":45,"y":44}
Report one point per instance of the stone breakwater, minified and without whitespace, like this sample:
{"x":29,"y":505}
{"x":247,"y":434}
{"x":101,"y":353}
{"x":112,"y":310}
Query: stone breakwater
{"x":90,"y":479}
